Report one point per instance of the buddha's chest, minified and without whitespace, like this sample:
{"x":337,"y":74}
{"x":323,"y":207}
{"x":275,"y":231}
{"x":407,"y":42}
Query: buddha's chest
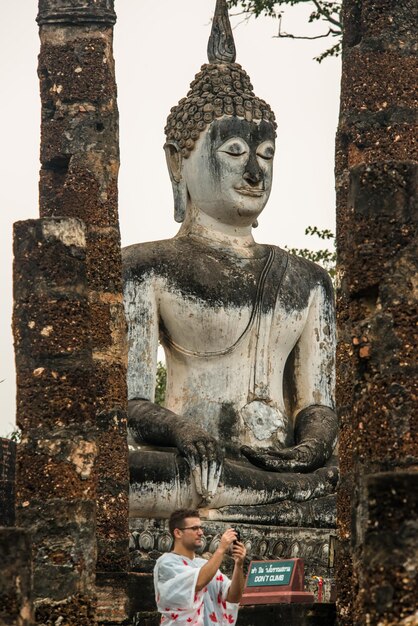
{"x":203,"y":326}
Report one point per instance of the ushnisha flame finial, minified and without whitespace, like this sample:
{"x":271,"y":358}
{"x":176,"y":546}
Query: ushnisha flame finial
{"x":222,"y":87}
{"x":221,"y":46}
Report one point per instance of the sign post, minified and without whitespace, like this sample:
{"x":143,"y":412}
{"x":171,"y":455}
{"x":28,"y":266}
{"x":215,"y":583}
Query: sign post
{"x":271,"y":582}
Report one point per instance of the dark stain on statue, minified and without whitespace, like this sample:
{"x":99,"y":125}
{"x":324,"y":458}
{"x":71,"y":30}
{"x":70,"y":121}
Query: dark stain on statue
{"x":228,"y":428}
{"x":218,"y":279}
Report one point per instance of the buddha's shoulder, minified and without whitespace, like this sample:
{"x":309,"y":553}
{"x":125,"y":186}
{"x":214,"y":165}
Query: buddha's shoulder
{"x":307,"y":268}
{"x":153,"y":255}
{"x":307,"y":274}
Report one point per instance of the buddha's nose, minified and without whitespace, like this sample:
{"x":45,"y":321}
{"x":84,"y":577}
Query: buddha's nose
{"x":253,"y":174}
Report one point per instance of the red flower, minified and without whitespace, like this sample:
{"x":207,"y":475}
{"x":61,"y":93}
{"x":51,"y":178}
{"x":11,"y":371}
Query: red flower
{"x":174,"y":615}
{"x":212,"y":616}
{"x":189,"y":619}
{"x":219,"y":598}
{"x":230,"y":619}
{"x":224,"y":604}
{"x":220,"y":577}
{"x":184,"y":562}
{"x":195,"y":597}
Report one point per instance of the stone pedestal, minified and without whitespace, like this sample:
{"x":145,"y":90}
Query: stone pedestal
{"x":294,"y":614}
{"x":266,"y":615}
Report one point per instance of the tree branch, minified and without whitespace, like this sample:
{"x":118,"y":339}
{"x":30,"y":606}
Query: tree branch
{"x":245,"y":19}
{"x":328,"y":11}
{"x":286,"y":35}
{"x":326,"y":15}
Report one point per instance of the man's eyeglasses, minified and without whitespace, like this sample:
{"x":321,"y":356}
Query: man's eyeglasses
{"x":193,"y":528}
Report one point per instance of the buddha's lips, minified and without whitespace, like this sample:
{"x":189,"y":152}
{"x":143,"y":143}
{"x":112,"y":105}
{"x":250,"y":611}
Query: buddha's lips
{"x":250,"y":191}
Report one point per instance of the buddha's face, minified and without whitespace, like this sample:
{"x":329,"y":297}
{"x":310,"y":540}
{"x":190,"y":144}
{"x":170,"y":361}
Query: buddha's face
{"x":229,"y":172}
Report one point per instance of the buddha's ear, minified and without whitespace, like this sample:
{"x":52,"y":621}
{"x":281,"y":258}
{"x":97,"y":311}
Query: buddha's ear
{"x":174,"y":163}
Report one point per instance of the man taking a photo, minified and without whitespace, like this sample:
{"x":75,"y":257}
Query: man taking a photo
{"x":190,"y":590}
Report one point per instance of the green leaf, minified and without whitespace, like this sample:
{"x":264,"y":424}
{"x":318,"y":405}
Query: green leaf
{"x":161,"y":378}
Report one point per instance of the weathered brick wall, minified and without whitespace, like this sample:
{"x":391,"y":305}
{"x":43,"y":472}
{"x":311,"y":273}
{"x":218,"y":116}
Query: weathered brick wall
{"x":56,"y":468}
{"x":377,"y":313}
{"x":7,"y":482}
{"x":15,"y":579}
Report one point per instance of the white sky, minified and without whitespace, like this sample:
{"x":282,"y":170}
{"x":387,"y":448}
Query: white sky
{"x":159,"y":47}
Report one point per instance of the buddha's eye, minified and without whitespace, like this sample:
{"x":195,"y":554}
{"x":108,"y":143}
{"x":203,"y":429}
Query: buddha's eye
{"x":234,"y":148}
{"x":266,"y":151}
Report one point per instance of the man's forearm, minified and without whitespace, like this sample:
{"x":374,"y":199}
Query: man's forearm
{"x":236,"y":588}
{"x":208,"y":571}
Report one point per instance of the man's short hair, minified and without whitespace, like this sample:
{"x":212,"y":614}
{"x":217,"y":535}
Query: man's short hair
{"x":177,"y":517}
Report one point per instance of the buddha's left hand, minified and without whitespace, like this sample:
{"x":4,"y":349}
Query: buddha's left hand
{"x":315,"y":435}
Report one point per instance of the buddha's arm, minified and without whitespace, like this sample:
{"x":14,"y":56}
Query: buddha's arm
{"x":151,"y":423}
{"x":148,"y":422}
{"x":141,"y":312}
{"x":313,"y":382}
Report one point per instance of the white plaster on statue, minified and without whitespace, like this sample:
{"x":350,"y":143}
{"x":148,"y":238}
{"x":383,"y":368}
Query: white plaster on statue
{"x":222,"y":194}
{"x":141,"y":313}
{"x":201,"y":379}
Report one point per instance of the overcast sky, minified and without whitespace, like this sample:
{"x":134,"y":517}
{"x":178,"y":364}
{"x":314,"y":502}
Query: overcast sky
{"x":159,"y":47}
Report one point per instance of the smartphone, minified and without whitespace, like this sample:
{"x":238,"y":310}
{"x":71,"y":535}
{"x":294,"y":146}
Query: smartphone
{"x":238,"y":536}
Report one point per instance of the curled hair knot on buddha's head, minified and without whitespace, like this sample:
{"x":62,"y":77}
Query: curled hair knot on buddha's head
{"x":222,"y":87}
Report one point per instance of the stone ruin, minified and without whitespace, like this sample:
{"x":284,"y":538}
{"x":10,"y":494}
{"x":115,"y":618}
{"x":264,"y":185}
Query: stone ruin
{"x":64,"y":546}
{"x":69,"y":332}
{"x":377,"y":218}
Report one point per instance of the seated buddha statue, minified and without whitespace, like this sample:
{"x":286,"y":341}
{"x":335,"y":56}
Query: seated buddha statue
{"x":247,"y":329}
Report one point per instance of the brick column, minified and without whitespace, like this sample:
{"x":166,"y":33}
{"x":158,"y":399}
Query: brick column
{"x":377,"y":391}
{"x":56,"y":469}
{"x":70,"y":329}
{"x":78,"y":178}
{"x":15,"y":578}
{"x":15,"y":548}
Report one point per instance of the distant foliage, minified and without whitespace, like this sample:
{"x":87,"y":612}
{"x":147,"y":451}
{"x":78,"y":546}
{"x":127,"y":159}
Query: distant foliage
{"x":15,"y":435}
{"x":161,"y":379}
{"x":327,"y":12}
{"x":325,"y":257}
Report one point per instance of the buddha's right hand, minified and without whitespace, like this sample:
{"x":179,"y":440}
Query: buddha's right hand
{"x":151,"y":423}
{"x":204,"y":455}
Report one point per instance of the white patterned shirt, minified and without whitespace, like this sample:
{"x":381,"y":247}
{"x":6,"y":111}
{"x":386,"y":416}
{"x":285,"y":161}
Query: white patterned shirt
{"x":179,"y":603}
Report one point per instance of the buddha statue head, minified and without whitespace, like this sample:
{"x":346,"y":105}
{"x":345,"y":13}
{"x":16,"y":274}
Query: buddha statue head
{"x":220,"y":138}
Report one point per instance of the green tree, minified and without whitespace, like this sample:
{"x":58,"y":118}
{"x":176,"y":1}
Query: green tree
{"x":324,"y":11}
{"x":161,"y":382}
{"x":15,"y":435}
{"x":326,"y":257}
